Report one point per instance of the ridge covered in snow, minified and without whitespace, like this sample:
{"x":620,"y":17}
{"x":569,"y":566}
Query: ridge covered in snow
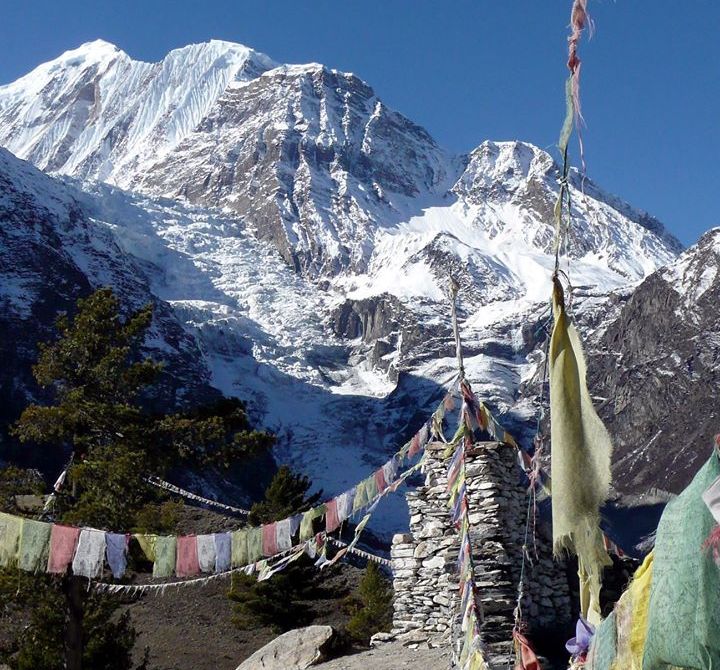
{"x":303,"y":234}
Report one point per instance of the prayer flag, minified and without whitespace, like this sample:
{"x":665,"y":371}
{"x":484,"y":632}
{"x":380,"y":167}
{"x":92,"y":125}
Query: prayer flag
{"x":187,"y":564}
{"x":89,"y":555}
{"x":34,"y":545}
{"x":223,"y":551}
{"x":63,"y":540}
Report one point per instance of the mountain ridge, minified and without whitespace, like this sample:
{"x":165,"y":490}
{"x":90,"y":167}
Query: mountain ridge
{"x":302,"y":234}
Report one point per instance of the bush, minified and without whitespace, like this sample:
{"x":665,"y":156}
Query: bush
{"x":370,"y":606}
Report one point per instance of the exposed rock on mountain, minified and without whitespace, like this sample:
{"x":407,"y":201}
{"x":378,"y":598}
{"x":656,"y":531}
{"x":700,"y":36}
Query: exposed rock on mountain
{"x":299,"y":236}
{"x":658,"y":370}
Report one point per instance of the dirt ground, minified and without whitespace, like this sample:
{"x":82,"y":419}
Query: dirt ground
{"x":392,"y":656}
{"x":191,"y":628}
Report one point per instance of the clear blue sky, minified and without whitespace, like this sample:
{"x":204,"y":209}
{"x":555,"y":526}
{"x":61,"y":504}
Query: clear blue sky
{"x":467,"y":70}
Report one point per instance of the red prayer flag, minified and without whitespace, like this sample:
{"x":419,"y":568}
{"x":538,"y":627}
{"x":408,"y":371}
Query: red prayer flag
{"x":332,"y":521}
{"x":380,"y":480}
{"x":527,"y":660}
{"x":269,"y":540}
{"x":63,"y":541}
{"x":414,"y":445}
{"x":186,"y":562}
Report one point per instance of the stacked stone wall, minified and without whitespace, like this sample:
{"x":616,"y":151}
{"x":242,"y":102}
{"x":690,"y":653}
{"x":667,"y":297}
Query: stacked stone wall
{"x":424,"y":560}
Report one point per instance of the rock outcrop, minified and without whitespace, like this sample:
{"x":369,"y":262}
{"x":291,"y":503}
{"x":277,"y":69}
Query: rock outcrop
{"x":295,"y":650}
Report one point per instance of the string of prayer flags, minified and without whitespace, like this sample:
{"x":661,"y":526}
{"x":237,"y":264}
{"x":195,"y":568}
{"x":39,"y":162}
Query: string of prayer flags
{"x":470,"y":651}
{"x":34,"y":544}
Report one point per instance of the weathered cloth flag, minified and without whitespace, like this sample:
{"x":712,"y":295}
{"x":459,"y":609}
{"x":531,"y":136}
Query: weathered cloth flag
{"x":581,"y":450}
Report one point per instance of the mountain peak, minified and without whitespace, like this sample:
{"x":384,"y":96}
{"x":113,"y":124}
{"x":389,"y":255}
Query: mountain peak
{"x":88,"y":53}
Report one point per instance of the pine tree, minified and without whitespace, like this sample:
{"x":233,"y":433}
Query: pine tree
{"x":282,"y":601}
{"x":101,"y":381}
{"x":370,"y":605}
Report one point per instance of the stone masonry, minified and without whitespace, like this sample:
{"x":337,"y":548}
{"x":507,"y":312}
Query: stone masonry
{"x":424,"y":561}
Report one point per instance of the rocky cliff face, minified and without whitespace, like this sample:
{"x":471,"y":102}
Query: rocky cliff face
{"x":657,"y":367}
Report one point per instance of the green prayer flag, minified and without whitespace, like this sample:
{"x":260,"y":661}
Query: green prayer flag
{"x":34,"y":545}
{"x":371,"y":488}
{"x":306,"y":524}
{"x":361,"y":496}
{"x":239,"y":555}
{"x":147,"y":544}
{"x":10,"y":532}
{"x":683,"y":627}
{"x":254,"y":544}
{"x":165,"y":554}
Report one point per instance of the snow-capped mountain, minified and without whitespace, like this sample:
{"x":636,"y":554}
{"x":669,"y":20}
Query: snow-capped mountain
{"x":303,"y":235}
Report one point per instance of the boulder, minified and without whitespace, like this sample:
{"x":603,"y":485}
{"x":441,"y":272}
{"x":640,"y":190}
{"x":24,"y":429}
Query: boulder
{"x":295,"y":650}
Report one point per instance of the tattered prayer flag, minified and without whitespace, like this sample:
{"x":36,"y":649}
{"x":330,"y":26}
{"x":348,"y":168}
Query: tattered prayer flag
{"x":283,"y":537}
{"x":332,"y":522}
{"x":295,"y":522}
{"x":240,"y":548}
{"x":165,"y":556}
{"x":361,"y":496}
{"x":307,"y":530}
{"x":580,"y":456}
{"x":187,"y":563}
{"x":90,"y":554}
{"x":116,"y":553}
{"x":527,"y":660}
{"x":414,"y":445}
{"x":206,"y":552}
{"x":345,"y":504}
{"x":34,"y":545}
{"x":371,"y":488}
{"x":390,"y":470}
{"x":424,"y":434}
{"x":254,"y":544}
{"x":380,"y":480}
{"x":10,"y":531}
{"x":269,"y":540}
{"x":63,"y":540}
{"x":223,"y":551}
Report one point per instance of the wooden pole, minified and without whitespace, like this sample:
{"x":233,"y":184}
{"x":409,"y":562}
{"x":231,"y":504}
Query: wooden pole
{"x":74,"y":598}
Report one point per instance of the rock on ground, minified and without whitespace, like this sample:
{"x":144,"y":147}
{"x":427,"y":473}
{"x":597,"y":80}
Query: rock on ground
{"x":295,"y":650}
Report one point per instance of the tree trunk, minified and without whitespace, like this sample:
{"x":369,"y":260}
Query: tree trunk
{"x":75,"y":600}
